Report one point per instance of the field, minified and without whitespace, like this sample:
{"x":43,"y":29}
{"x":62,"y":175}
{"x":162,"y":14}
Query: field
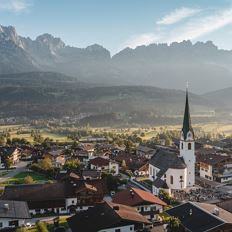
{"x":24,"y":131}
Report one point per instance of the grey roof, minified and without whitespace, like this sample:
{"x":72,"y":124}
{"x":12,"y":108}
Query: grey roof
{"x":194,"y":218}
{"x":159,"y":183}
{"x":164,"y":160}
{"x":14,"y":209}
{"x":145,"y":149}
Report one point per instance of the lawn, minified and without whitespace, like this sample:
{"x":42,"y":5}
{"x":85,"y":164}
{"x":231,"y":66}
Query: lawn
{"x":19,"y":178}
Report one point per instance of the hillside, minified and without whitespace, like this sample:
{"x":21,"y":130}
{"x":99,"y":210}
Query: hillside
{"x":47,"y":94}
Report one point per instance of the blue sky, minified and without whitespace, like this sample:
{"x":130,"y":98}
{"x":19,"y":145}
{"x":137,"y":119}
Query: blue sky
{"x":116,"y":24}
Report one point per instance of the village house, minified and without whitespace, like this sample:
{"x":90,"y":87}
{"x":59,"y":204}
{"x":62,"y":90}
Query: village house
{"x":91,"y":174}
{"x":108,"y":217}
{"x":146,"y":203}
{"x":142,"y":171}
{"x":88,"y":147}
{"x":58,"y":198}
{"x":131,"y":163}
{"x":83,"y":156}
{"x":13,"y":214}
{"x":145,"y":151}
{"x":104,"y":165}
{"x":200,"y":217}
{"x":216,"y":167}
{"x":13,"y":153}
{"x":57,"y":157}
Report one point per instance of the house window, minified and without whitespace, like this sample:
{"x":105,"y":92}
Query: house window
{"x":171,"y":179}
{"x":72,"y":202}
{"x":1,"y":224}
{"x":131,"y":228}
{"x":118,"y":230}
{"x":189,"y":146}
{"x":14,"y":223}
{"x":182,"y":146}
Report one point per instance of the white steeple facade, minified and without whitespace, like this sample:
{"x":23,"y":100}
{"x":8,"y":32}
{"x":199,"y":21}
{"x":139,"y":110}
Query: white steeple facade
{"x":187,"y":145}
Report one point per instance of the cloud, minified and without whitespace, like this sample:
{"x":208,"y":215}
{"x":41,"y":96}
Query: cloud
{"x":201,"y":26}
{"x":177,"y":15}
{"x":194,"y":28}
{"x":15,"y":6}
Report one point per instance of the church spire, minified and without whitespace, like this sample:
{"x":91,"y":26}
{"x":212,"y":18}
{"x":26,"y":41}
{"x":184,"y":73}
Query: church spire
{"x":187,"y":120}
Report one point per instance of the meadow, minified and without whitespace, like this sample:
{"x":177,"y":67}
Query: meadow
{"x":24,"y":131}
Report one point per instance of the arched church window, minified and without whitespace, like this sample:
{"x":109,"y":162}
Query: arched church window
{"x":171,"y":179}
{"x":189,"y":146}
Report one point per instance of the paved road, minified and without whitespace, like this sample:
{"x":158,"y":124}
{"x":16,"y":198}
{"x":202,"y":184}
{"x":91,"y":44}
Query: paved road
{"x":20,"y":167}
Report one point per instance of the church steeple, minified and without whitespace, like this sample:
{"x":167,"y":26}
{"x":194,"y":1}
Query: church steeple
{"x":187,"y":119}
{"x":187,"y":145}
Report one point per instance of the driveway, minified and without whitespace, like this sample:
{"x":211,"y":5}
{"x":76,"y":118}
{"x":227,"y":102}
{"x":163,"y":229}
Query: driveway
{"x":20,"y":167}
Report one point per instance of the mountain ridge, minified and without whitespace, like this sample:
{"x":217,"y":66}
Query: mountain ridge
{"x":161,"y":65}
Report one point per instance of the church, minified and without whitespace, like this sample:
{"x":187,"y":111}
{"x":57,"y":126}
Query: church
{"x":171,"y":171}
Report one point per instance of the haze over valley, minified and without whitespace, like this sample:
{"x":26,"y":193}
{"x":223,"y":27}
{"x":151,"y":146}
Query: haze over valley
{"x":45,"y":77}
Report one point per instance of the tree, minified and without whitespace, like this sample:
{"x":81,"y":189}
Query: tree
{"x":2,"y":141}
{"x":112,"y":182}
{"x":21,"y":229}
{"x":45,"y":164}
{"x":8,"y":163}
{"x":168,"y":141}
{"x":163,"y":195}
{"x":173,"y":224}
{"x":72,"y":164}
{"x":41,"y":227}
{"x":28,"y":180}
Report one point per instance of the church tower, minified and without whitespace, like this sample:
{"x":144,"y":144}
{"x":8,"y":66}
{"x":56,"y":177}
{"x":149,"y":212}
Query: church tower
{"x":187,"y":145}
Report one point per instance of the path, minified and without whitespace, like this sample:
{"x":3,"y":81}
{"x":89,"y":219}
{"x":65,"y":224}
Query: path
{"x":20,"y":167}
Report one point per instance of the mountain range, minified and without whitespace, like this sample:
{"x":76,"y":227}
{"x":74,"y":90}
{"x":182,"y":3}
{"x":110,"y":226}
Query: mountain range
{"x":46,"y":78}
{"x":203,"y":65}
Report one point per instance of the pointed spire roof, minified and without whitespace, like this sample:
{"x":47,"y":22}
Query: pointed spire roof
{"x":187,"y":119}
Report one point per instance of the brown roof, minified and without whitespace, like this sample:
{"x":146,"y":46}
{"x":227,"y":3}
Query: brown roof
{"x":74,"y":175}
{"x":223,"y":214}
{"x":227,"y":205}
{"x":55,"y":153}
{"x":134,"y":197}
{"x":127,"y":213}
{"x":212,"y":159}
{"x":86,"y":146}
{"x":105,"y":215}
{"x":99,"y":161}
{"x":54,"y":191}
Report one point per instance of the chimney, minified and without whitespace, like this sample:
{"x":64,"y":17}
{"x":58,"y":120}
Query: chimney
{"x":216,"y":212}
{"x":132,"y":193}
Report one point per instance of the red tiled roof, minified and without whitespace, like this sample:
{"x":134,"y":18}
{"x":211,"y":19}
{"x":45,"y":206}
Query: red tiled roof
{"x":127,"y":213}
{"x":99,"y":161}
{"x":140,"y":196}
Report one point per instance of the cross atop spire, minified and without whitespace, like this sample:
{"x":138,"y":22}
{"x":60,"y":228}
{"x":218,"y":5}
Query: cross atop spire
{"x":187,"y":120}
